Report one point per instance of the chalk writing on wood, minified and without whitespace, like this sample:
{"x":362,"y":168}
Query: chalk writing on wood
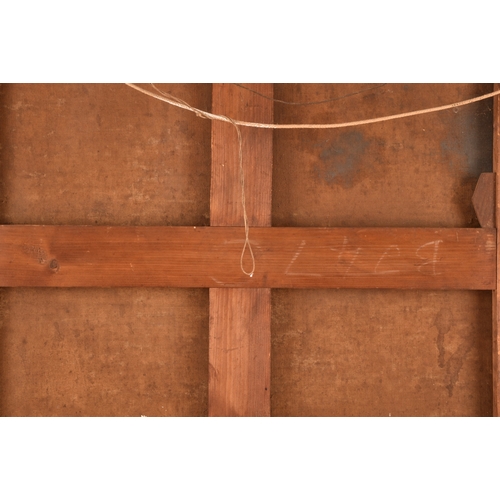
{"x":294,"y":258}
{"x":346,"y":258}
{"x":391,"y":249}
{"x":426,"y":261}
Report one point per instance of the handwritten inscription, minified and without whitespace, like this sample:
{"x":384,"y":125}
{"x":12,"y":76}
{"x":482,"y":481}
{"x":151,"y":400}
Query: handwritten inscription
{"x":294,"y":258}
{"x":346,"y":258}
{"x":392,"y":248}
{"x":356,"y":260}
{"x":434,"y":247}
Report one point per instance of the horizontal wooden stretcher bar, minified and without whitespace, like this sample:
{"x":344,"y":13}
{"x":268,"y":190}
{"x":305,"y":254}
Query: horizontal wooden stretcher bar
{"x":291,"y":257}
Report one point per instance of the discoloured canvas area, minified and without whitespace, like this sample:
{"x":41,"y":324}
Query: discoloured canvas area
{"x":381,"y":353}
{"x":341,"y":159}
{"x":413,"y":172}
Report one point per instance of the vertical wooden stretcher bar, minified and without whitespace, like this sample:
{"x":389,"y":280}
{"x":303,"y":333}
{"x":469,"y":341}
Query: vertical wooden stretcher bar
{"x":240,"y":319}
{"x":496,"y":292}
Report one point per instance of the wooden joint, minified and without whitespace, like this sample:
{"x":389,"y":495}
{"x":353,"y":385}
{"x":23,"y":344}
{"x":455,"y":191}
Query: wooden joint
{"x":483,"y":200}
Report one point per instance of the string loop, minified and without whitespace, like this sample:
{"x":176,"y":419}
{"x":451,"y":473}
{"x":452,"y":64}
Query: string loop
{"x":202,"y":114}
{"x":243,"y":203}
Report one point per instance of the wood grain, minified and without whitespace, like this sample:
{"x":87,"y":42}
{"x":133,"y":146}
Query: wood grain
{"x":496,"y":293}
{"x":240,"y":320}
{"x":239,"y":352}
{"x":209,"y":257}
{"x":225,"y":191}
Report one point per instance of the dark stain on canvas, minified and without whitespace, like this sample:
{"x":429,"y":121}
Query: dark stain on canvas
{"x":342,"y":158}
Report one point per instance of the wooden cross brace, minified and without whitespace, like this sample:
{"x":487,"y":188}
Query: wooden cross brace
{"x":240,"y":306}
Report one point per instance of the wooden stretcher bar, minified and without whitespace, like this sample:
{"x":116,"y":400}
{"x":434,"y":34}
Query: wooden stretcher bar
{"x":496,"y":294}
{"x":239,"y":374}
{"x":194,"y":257}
